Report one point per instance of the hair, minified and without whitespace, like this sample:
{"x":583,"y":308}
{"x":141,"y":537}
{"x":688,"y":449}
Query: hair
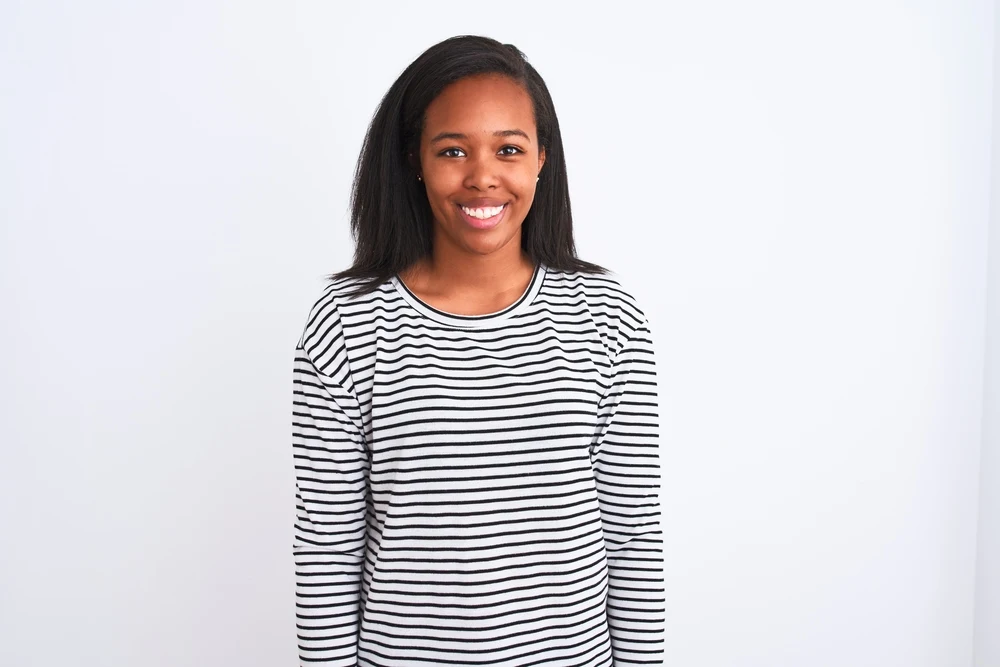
{"x":391,"y":218}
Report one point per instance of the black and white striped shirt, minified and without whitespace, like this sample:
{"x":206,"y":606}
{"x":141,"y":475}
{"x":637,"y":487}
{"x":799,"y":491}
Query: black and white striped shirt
{"x":478,"y":490}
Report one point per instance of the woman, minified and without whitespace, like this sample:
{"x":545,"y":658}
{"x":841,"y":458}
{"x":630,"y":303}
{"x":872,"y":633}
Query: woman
{"x":475,"y":421}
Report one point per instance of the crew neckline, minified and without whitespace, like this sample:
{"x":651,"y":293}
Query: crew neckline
{"x":472,"y":321}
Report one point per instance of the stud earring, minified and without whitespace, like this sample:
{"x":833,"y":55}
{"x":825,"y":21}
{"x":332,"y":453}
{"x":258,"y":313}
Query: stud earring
{"x":418,"y":177}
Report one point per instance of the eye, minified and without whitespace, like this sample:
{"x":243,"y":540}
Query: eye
{"x":514,"y":151}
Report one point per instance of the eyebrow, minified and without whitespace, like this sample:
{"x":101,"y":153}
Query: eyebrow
{"x":499,"y":133}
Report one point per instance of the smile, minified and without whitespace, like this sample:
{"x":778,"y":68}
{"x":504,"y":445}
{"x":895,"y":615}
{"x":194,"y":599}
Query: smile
{"x":483,"y":218}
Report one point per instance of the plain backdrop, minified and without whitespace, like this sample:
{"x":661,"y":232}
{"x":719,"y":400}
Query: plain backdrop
{"x":798,"y":193}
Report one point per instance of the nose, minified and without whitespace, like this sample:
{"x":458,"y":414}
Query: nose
{"x":482,"y":172}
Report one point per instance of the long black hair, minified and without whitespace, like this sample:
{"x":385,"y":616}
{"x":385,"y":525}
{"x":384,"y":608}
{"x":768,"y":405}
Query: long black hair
{"x":391,"y":218}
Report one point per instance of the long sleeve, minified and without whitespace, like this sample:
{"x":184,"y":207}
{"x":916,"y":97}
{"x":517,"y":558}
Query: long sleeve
{"x":331,"y":474}
{"x":625,"y":457}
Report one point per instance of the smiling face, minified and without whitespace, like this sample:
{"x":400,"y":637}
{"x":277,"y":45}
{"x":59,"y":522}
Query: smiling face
{"x":479,"y":158}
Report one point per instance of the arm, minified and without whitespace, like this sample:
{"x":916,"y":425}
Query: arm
{"x":625,"y":457}
{"x":331,"y":475}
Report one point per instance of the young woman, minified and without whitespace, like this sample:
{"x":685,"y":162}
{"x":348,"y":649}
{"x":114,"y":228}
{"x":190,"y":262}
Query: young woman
{"x":475,"y":423}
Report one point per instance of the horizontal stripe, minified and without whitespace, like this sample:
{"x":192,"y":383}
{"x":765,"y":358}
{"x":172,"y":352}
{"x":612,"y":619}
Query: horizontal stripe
{"x":478,"y":490}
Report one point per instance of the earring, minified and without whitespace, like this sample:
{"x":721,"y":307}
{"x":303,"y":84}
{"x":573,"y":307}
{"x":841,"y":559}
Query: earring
{"x":418,"y":177}
{"x":539,"y":178}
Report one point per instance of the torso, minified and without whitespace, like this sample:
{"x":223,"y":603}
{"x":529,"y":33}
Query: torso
{"x":471,"y":478}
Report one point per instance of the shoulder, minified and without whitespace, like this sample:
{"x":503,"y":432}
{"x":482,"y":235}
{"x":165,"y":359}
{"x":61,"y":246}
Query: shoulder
{"x":323,"y":333}
{"x":610,"y":300}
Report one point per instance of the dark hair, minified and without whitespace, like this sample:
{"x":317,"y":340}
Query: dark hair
{"x":391,"y":219}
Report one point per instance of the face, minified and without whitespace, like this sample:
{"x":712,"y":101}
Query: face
{"x":479,"y":161}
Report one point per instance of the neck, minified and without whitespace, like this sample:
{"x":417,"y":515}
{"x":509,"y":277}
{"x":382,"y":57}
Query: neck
{"x":450,"y":271}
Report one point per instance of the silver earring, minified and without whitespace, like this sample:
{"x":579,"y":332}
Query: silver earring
{"x":418,"y":177}
{"x":539,"y":178}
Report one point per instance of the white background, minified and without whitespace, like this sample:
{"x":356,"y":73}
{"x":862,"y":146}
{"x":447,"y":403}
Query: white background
{"x":797,"y":192}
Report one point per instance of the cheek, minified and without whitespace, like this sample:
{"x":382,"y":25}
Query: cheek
{"x":437,"y":189}
{"x":525,"y":188}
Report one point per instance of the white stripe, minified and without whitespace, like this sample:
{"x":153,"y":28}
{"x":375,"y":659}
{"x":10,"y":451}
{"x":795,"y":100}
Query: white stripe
{"x":478,"y":490}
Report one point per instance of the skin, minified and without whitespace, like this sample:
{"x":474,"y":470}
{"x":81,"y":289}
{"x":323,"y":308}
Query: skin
{"x":473,"y":271}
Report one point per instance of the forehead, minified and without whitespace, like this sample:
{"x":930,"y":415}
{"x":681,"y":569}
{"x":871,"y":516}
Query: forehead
{"x":480,"y":104}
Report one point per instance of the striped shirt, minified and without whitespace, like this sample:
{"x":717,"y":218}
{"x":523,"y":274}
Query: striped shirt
{"x":478,"y":489}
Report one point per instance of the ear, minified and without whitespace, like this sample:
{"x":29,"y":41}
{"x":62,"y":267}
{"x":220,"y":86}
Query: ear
{"x":413,"y":161}
{"x":541,"y":158}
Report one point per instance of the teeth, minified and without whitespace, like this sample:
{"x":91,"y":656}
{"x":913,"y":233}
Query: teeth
{"x":483,"y":213}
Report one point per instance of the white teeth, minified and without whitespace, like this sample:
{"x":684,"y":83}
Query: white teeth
{"x":483,"y":213}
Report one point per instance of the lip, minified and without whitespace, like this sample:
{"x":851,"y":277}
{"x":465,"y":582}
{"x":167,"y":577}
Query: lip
{"x":488,"y":223}
{"x":483,"y":202}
